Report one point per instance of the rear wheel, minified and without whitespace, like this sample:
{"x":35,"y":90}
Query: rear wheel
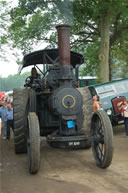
{"x":20,"y":100}
{"x":87,"y":113}
{"x":102,"y":139}
{"x":33,"y":143}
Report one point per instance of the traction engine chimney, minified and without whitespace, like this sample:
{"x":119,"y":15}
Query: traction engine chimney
{"x":64,"y":44}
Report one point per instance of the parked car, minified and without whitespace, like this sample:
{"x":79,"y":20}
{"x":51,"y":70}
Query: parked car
{"x":112,"y":95}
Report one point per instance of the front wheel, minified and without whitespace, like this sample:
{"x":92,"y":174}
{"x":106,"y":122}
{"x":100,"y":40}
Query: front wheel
{"x":33,"y":143}
{"x":102,"y":139}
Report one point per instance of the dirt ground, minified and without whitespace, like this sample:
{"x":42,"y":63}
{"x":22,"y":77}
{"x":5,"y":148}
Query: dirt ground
{"x":65,"y":171}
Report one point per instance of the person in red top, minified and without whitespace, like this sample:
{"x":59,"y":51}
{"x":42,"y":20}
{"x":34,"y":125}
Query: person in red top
{"x":125,"y":115}
{"x":96,"y":103}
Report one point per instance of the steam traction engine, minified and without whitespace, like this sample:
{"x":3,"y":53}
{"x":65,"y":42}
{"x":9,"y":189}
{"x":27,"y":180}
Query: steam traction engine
{"x":54,"y":107}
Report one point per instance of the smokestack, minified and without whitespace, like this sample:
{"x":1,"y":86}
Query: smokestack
{"x":64,"y":44}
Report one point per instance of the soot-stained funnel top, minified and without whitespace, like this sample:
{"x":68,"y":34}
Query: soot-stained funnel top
{"x":64,"y":44}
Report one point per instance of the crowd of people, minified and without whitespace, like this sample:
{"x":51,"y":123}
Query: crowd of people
{"x":6,"y":110}
{"x":6,"y":117}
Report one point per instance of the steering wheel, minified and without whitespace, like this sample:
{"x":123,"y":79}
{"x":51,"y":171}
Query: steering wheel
{"x":27,"y":81}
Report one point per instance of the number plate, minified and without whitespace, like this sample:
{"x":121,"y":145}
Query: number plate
{"x":74,"y":143}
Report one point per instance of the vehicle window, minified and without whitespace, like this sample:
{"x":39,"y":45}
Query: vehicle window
{"x":126,"y":85}
{"x":107,"y":94}
{"x":120,"y":88}
{"x":108,"y":88}
{"x":105,"y":91}
{"x":115,"y":88}
{"x":100,"y":89}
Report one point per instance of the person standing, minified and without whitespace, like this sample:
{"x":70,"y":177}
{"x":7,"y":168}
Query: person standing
{"x":0,"y":126}
{"x":96,"y":103}
{"x":125,"y":115}
{"x":9,"y":120}
{"x":3,"y":115}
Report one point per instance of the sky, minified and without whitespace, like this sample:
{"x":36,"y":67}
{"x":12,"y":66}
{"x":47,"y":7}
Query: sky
{"x":10,"y":66}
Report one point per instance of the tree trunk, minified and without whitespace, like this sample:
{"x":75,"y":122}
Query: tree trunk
{"x":110,"y":65}
{"x":104,"y":49}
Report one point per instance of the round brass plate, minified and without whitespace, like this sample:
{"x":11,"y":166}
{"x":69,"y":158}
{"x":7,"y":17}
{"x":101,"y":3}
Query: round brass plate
{"x":73,"y":99}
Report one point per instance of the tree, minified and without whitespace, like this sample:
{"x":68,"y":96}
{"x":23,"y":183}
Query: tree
{"x":104,"y":22}
{"x":13,"y":81}
{"x":99,"y":24}
{"x":4,"y":16}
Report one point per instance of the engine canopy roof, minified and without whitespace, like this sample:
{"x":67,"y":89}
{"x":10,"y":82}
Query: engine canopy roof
{"x":49,"y":56}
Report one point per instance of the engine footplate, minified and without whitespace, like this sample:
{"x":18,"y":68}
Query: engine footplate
{"x":69,"y":142}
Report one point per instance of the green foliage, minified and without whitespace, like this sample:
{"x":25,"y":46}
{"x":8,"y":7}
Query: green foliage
{"x":32,"y":20}
{"x":30,"y":24}
{"x":13,"y":81}
{"x":3,"y":26}
{"x":91,"y":61}
{"x":87,"y":16}
{"x":120,"y":61}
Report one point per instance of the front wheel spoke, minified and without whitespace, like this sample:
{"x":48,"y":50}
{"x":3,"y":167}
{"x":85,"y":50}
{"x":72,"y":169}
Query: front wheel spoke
{"x":99,"y":138}
{"x":28,"y":142}
{"x":102,"y":139}
{"x":99,"y":124}
{"x":99,"y":152}
{"x":101,"y":130}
